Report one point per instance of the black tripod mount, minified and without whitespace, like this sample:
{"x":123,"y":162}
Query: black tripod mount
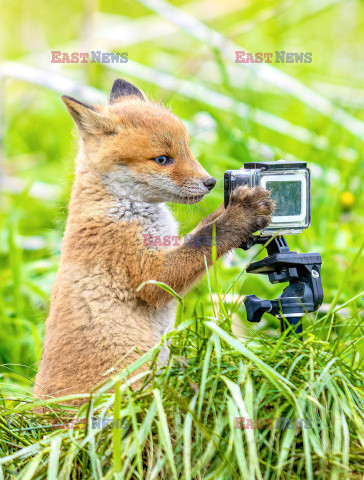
{"x":301,"y":270}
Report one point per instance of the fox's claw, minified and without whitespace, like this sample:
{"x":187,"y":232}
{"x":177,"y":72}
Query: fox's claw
{"x":251,"y":207}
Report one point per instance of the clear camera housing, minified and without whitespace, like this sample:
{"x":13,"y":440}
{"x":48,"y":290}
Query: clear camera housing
{"x":290,"y":187}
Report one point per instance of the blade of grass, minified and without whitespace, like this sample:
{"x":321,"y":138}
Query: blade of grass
{"x":116,"y":433}
{"x":187,"y":431}
{"x":166,"y":438}
{"x":52,"y":472}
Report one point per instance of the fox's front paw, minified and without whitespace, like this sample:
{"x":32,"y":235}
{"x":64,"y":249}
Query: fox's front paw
{"x":251,"y":207}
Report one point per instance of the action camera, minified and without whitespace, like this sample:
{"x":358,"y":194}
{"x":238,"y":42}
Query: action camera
{"x":290,"y":187}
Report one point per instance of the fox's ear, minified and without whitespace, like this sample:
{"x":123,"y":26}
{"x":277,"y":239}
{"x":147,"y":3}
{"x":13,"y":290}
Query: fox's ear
{"x":122,"y":88}
{"x":87,"y":119}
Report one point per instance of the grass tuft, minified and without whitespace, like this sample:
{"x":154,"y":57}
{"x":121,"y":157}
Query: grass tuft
{"x":304,"y":399}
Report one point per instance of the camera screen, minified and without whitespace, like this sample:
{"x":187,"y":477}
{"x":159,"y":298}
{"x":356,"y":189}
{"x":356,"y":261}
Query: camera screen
{"x":288,"y":197}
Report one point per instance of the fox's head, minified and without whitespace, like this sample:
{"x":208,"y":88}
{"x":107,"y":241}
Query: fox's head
{"x":138,"y":148}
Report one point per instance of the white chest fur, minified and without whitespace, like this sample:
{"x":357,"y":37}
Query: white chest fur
{"x":155,"y":218}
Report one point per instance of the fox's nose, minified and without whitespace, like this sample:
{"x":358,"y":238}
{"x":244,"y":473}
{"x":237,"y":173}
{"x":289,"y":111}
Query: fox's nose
{"x":210,"y":183}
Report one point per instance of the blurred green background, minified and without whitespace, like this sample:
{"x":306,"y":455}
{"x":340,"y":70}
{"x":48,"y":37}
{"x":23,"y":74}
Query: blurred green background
{"x":235,"y":113}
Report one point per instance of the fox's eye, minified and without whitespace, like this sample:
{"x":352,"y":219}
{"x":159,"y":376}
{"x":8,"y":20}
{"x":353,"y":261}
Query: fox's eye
{"x":163,"y":160}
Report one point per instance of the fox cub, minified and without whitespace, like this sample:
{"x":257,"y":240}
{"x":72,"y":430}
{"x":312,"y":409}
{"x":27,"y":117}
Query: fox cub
{"x":133,"y":157}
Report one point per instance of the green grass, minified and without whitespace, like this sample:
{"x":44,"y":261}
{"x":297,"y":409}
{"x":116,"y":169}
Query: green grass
{"x":182,"y":424}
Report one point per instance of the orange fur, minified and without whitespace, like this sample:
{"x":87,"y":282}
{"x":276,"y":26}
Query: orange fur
{"x":97,"y":315}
